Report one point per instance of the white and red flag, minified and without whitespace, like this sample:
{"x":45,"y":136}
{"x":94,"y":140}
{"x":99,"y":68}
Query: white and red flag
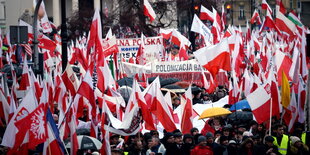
{"x":284,"y":24}
{"x":105,"y":78}
{"x":86,"y":90}
{"x":265,"y":6}
{"x":28,"y":104}
{"x":255,"y":18}
{"x":206,"y":14}
{"x":70,"y":80}
{"x":215,"y":57}
{"x":261,"y":107}
{"x":25,"y":79}
{"x":187,"y":112}
{"x":95,"y":33}
{"x":199,"y":27}
{"x":148,"y":10}
{"x":160,"y":109}
{"x":36,"y":126}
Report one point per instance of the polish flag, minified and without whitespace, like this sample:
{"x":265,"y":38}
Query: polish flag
{"x":46,"y":43}
{"x":73,"y":136}
{"x":275,"y":93}
{"x":268,"y":22}
{"x":177,"y":38}
{"x":283,"y":63}
{"x":199,"y":27}
{"x":165,"y":33}
{"x":148,"y":10}
{"x":4,"y":107}
{"x":169,"y":102}
{"x":137,"y":97}
{"x":95,"y":33}
{"x":161,"y":110}
{"x":25,"y":79}
{"x":86,"y":90}
{"x":261,"y":107}
{"x":293,"y":110}
{"x":255,"y":18}
{"x":284,"y":24}
{"x":27,"y":105}
{"x":12,"y":105}
{"x":265,"y":6}
{"x":206,"y":14}
{"x":216,"y":27}
{"x":301,"y":101}
{"x":215,"y":57}
{"x":217,"y":19}
{"x":70,"y":80}
{"x":105,"y":78}
{"x":280,"y":7}
{"x":140,"y":57}
{"x":35,"y":124}
{"x":187,"y":112}
{"x":60,"y":92}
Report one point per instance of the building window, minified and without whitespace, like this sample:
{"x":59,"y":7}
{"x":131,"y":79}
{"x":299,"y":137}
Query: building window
{"x":2,"y":10}
{"x":291,"y":4}
{"x":241,"y":12}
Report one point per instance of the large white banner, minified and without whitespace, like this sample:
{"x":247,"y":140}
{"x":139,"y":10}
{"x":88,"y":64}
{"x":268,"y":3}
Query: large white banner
{"x":176,"y":66}
{"x":128,"y":47}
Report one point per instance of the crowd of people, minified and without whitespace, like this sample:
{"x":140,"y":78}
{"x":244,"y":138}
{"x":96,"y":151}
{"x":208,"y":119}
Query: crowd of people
{"x":252,"y":139}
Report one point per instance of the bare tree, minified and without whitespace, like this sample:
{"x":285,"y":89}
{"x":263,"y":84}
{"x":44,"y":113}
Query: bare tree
{"x":128,"y":15}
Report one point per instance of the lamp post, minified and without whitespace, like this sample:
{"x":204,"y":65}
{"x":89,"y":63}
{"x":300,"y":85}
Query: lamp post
{"x":64,"y":36}
{"x":35,"y":36}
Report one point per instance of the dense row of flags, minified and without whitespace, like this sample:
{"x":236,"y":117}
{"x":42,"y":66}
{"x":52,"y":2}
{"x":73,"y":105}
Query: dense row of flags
{"x":267,"y":63}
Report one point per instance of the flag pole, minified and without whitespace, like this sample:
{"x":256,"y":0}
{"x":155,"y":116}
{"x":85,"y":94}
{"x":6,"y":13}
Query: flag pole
{"x":270,"y":119}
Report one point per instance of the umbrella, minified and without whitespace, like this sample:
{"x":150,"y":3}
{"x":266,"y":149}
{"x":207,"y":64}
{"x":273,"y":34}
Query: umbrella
{"x":215,"y":111}
{"x":83,"y":131}
{"x":126,"y":81}
{"x":182,"y":84}
{"x":240,"y":116}
{"x":172,"y":87}
{"x":87,"y":142}
{"x":168,"y":81}
{"x":151,"y":79}
{"x":243,"y":104}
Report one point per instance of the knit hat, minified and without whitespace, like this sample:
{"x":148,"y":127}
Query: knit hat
{"x":232,"y":142}
{"x":247,"y":133}
{"x":294,"y":139}
{"x":209,"y":134}
{"x":201,"y":139}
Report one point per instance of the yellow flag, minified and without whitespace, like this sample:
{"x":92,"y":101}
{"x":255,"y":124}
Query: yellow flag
{"x":285,"y":91}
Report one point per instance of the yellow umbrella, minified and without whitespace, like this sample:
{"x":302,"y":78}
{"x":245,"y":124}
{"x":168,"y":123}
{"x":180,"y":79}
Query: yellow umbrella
{"x":215,"y":111}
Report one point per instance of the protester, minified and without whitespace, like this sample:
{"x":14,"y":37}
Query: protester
{"x":247,"y":147}
{"x":155,"y":147}
{"x":202,"y":148}
{"x":297,"y":147}
{"x":222,"y":148}
{"x":136,"y":148}
{"x":281,"y":140}
{"x":270,"y":148}
{"x":194,"y":131}
{"x":177,"y":146}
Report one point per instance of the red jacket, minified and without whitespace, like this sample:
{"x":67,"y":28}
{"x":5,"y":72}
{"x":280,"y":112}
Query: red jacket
{"x":201,"y":150}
